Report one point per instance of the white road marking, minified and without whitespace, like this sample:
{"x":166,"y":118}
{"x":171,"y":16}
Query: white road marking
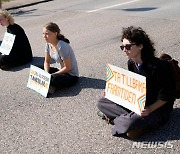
{"x":103,"y":8}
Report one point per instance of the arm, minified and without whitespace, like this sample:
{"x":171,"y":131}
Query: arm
{"x":47,"y":62}
{"x":67,"y":67}
{"x":152,"y":107}
{"x":164,"y":82}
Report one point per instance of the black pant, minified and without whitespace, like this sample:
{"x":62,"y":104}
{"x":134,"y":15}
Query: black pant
{"x":62,"y":80}
{"x":13,"y":61}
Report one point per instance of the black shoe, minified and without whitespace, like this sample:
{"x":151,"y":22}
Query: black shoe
{"x":134,"y":134}
{"x":4,"y":67}
{"x":51,"y":90}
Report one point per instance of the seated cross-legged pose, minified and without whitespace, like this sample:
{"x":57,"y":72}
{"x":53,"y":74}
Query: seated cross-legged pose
{"x":160,"y":88}
{"x":21,"y":52}
{"x":66,"y":73}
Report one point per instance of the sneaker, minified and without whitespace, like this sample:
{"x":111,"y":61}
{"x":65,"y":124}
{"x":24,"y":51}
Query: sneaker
{"x":51,"y":90}
{"x":104,"y":117}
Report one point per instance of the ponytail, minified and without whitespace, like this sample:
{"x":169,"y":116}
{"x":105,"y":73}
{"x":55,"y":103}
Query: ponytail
{"x":63,"y":38}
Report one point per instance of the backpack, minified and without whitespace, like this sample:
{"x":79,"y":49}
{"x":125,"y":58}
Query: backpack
{"x":175,"y":69}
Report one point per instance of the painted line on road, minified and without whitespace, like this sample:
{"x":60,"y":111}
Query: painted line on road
{"x":103,"y":8}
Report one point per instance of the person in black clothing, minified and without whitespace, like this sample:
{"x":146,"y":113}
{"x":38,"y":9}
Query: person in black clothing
{"x":21,"y":52}
{"x":160,"y":88}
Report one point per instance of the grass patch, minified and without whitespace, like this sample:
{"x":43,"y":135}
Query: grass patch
{"x":5,"y":0}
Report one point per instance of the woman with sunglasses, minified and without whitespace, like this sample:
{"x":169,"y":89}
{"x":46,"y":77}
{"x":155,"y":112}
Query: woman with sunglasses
{"x":160,"y":89}
{"x":65,"y":73}
{"x":21,"y":52}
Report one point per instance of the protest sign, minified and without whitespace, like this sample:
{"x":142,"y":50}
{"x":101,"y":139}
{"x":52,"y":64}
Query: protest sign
{"x":39,"y":80}
{"x":125,"y":88}
{"x":7,"y":43}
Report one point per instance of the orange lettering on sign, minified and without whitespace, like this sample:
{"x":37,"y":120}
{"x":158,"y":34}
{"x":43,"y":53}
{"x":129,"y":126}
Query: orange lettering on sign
{"x":121,"y":92}
{"x":130,"y":82}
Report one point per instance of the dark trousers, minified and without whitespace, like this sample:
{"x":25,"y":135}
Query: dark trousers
{"x":125,"y":120}
{"x":62,"y":80}
{"x":8,"y":61}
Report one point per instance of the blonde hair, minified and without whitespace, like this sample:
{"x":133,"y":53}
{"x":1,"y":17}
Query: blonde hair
{"x":7,"y":15}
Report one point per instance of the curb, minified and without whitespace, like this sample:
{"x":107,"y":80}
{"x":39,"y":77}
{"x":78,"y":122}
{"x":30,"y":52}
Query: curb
{"x":25,"y":5}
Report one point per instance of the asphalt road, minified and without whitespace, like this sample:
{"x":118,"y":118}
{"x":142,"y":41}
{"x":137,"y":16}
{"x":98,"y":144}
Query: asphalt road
{"x":66,"y":122}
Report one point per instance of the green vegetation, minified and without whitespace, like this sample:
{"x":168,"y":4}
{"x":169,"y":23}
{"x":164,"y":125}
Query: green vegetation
{"x":5,"y":0}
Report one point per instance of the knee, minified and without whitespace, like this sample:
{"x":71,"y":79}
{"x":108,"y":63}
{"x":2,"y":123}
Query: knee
{"x":100,"y":103}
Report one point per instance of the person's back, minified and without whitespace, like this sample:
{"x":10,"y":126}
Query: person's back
{"x":21,"y":48}
{"x":21,"y":52}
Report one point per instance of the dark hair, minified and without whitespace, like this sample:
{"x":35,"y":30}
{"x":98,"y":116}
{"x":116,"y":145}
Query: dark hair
{"x":53,"y":27}
{"x":138,"y":36}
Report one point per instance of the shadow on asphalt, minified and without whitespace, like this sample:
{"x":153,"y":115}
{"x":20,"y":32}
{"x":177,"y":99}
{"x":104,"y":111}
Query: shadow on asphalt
{"x":17,"y":12}
{"x":168,"y":132}
{"x":26,"y":5}
{"x":84,"y":82}
{"x":141,"y":9}
{"x":38,"y":61}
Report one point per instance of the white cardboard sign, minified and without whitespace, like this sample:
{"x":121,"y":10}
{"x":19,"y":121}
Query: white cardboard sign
{"x":125,"y":88}
{"x":7,"y":43}
{"x":39,"y":80}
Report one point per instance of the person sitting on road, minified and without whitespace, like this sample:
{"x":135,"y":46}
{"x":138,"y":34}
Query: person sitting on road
{"x":66,"y":73}
{"x":21,"y":52}
{"x":160,"y":88}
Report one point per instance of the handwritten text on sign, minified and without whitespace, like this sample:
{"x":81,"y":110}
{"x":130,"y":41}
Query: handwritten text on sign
{"x":125,"y":88}
{"x":39,"y":80}
{"x":7,"y":43}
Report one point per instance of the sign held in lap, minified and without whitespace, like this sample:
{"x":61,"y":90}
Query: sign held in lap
{"x":7,"y":43}
{"x":39,"y":80}
{"x":125,"y":88}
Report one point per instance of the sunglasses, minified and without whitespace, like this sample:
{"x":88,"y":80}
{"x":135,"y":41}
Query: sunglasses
{"x":127,"y":46}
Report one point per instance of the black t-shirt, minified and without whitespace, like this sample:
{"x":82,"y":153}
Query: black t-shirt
{"x":21,"y":48}
{"x":159,"y":82}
